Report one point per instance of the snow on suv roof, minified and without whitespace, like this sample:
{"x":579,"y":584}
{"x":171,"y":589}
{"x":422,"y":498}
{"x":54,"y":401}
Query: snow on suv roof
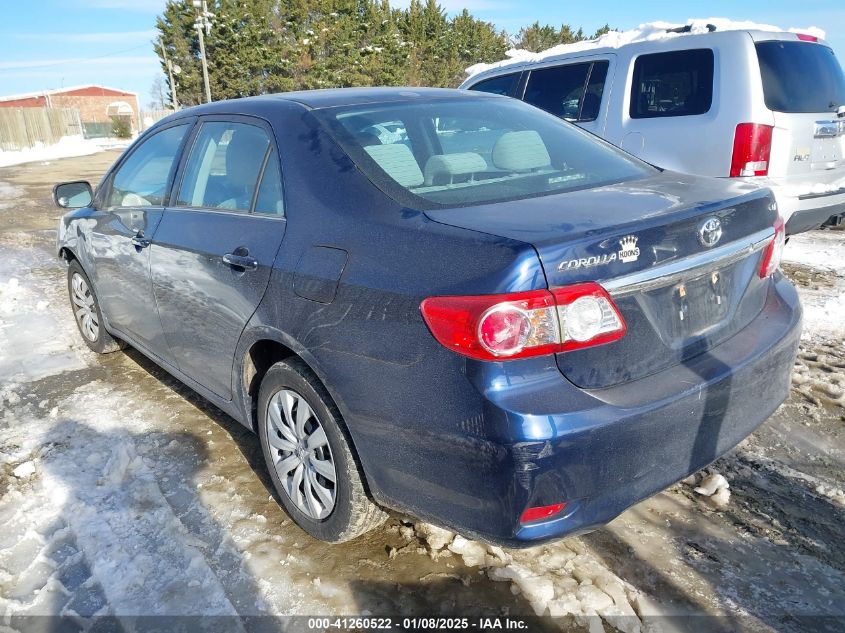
{"x":648,"y":32}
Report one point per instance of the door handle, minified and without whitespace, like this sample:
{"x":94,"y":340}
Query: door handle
{"x":244,"y":262}
{"x":139,"y":241}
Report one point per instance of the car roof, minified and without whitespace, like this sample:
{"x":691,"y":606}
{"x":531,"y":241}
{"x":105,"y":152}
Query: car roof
{"x":331,"y":97}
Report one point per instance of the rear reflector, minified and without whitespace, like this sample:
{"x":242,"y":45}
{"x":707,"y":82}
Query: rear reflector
{"x":774,"y":251}
{"x":752,"y":147}
{"x":807,"y":38}
{"x":541,"y":512}
{"x":524,"y":324}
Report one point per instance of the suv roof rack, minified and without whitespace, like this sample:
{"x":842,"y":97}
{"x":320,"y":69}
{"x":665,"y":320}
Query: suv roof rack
{"x":688,"y":27}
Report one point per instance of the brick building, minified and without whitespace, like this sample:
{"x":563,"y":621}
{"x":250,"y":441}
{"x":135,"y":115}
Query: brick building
{"x":96,"y":104}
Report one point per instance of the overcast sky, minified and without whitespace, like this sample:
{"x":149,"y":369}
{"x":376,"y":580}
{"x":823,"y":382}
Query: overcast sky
{"x":53,"y":43}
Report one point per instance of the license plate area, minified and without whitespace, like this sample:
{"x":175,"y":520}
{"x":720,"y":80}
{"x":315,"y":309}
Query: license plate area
{"x":699,"y":303}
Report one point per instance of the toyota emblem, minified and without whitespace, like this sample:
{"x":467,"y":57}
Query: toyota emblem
{"x":710,"y":232}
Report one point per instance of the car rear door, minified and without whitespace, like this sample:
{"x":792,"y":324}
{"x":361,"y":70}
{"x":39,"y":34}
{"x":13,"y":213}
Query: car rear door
{"x":216,"y":244}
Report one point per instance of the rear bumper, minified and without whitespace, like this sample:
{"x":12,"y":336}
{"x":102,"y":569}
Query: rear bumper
{"x":602,"y":451}
{"x":804,"y":212}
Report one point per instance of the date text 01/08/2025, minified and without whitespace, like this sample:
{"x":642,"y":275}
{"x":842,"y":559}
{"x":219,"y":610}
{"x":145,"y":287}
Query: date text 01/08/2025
{"x":418,"y":624}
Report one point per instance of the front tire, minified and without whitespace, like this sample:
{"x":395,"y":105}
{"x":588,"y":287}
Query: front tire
{"x":87,"y":313}
{"x":308,"y":455}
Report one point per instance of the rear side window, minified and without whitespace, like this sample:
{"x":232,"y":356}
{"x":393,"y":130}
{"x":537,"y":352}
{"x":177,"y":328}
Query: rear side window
{"x":558,"y":90}
{"x":226,"y":161}
{"x":504,"y":85}
{"x":800,"y":77}
{"x":572,"y":92}
{"x":679,"y":83}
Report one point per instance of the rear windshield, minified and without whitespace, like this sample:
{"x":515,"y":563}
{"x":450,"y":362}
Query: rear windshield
{"x":460,"y":152}
{"x":800,"y":77}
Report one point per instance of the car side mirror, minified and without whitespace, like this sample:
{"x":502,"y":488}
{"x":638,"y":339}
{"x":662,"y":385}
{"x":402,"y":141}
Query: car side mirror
{"x":73,"y":195}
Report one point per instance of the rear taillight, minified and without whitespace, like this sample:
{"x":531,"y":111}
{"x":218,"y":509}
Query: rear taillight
{"x":523,"y":324}
{"x":540,"y":513}
{"x":774,"y":251}
{"x":804,"y":37}
{"x":752,"y":147}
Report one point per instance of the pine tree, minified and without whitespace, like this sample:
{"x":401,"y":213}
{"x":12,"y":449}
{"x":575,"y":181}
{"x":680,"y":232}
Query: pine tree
{"x":261,"y":46}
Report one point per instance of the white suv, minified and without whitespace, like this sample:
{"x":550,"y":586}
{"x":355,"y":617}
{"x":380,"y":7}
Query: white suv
{"x":758,"y":104}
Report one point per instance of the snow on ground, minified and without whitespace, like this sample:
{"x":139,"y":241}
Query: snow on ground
{"x":824,"y":300}
{"x":67,"y":146}
{"x":28,"y":323}
{"x":643,"y":33}
{"x":8,"y":193}
{"x":123,"y":493}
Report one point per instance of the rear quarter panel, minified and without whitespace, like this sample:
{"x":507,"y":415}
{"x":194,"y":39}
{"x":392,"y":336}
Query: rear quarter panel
{"x":403,"y":396}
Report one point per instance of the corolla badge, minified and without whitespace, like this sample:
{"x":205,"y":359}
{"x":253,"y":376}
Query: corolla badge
{"x":629,"y":253}
{"x":710,"y":232}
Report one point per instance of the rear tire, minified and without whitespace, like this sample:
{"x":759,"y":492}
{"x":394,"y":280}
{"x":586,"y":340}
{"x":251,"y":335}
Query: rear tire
{"x":87,"y":313}
{"x":305,"y":444}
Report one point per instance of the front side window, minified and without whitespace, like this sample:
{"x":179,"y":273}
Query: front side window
{"x":473,"y":151}
{"x":678,"y":83}
{"x":503,"y":85}
{"x":224,"y":167}
{"x":142,"y":180}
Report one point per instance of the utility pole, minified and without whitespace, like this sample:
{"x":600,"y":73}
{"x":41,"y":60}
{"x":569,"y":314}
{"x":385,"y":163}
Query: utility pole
{"x":174,"y":100}
{"x":203,"y":23}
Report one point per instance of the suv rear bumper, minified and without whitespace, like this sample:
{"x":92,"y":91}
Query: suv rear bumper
{"x":619,"y":445}
{"x":807,"y":211}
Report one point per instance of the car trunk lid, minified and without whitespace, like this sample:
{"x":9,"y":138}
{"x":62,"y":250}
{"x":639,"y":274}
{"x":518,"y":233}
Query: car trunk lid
{"x":652,"y":244}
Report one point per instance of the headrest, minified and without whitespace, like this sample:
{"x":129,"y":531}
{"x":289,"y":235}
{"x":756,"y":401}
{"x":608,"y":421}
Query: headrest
{"x":520,"y":151}
{"x":458,"y":164}
{"x":398,"y":162}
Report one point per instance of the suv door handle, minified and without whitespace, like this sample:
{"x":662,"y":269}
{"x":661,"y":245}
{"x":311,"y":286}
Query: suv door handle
{"x":240,"y":261}
{"x":139,"y":241}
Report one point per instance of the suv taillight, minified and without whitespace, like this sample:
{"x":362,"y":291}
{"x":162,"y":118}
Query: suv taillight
{"x":774,"y":250}
{"x":523,"y":324}
{"x":752,"y":147}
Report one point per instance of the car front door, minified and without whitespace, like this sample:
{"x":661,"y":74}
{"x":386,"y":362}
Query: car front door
{"x":129,"y":212}
{"x":216,"y":243}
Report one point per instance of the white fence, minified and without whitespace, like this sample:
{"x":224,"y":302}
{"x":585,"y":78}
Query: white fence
{"x":23,"y":128}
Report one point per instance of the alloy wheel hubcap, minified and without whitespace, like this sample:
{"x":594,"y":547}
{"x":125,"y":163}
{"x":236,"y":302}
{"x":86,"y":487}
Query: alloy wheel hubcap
{"x":83,"y":307}
{"x":301,"y":454}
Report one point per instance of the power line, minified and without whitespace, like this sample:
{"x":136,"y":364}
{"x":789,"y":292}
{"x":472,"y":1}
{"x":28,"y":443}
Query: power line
{"x":76,"y":60}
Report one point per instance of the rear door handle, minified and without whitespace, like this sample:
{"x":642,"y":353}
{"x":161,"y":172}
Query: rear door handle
{"x":139,"y":241}
{"x":244,"y":262}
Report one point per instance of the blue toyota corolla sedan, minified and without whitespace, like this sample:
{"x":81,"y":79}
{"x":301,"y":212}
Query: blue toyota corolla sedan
{"x":443,"y":302}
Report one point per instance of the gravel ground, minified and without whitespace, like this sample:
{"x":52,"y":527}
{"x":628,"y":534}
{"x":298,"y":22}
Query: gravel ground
{"x":123,"y":493}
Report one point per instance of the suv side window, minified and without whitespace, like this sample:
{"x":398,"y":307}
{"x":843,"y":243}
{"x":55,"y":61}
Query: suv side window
{"x":679,"y":83}
{"x":572,"y":92}
{"x":224,"y":166}
{"x":142,"y":180}
{"x":502,"y":85}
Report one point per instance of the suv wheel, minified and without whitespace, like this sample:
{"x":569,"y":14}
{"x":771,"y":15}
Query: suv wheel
{"x":308,"y":454}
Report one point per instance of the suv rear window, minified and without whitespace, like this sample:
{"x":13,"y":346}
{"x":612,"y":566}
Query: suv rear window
{"x":800,"y":77}
{"x":460,"y":152}
{"x":678,"y":83}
